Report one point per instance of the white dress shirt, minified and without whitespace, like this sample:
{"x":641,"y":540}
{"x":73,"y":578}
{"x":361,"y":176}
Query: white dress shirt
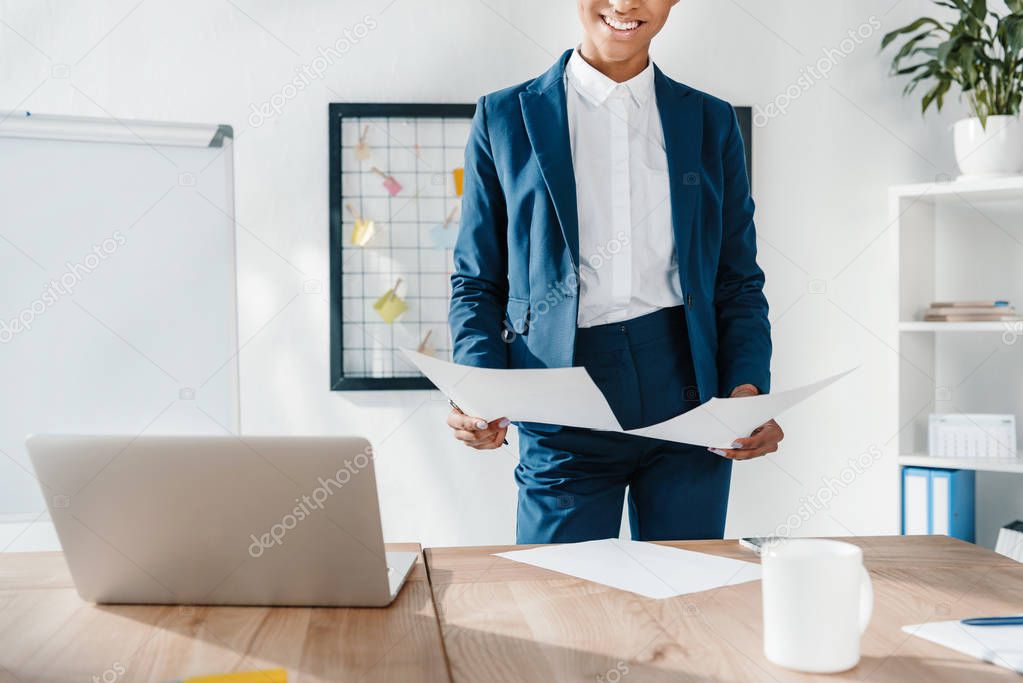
{"x":627,"y":261}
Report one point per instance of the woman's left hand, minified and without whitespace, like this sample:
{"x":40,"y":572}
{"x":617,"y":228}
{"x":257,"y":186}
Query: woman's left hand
{"x":763,"y":440}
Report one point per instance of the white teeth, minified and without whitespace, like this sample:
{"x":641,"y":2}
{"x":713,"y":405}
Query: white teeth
{"x":620,"y":25}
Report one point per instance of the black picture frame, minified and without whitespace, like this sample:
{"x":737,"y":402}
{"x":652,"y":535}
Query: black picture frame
{"x":336,"y":113}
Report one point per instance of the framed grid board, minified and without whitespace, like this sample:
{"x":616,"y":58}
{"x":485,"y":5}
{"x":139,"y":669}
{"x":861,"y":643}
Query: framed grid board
{"x":395,"y":196}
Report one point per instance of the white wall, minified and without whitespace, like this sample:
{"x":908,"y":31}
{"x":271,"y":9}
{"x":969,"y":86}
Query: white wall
{"x":821,"y":172}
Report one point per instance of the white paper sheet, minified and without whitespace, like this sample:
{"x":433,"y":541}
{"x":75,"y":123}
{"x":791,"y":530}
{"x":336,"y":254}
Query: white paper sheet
{"x":569,"y":397}
{"x":719,"y":421}
{"x":1001,"y":645}
{"x":561,"y":396}
{"x":654,"y":571}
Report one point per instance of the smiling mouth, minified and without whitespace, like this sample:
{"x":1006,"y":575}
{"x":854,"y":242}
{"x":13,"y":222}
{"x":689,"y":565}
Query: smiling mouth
{"x":619,"y":25}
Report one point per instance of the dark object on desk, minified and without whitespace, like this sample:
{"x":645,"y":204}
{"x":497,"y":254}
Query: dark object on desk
{"x":993,"y":621}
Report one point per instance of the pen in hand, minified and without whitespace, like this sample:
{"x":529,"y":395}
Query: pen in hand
{"x":454,"y":406}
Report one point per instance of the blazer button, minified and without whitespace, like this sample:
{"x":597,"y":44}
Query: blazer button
{"x":507,"y":335}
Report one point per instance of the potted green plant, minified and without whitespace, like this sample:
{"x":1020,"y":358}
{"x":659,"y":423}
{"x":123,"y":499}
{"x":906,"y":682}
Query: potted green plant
{"x":979,"y":51}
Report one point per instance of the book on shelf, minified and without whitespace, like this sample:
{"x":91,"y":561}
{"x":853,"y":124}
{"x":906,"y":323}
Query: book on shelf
{"x":993,"y":303}
{"x":971,"y":318}
{"x":971,"y":311}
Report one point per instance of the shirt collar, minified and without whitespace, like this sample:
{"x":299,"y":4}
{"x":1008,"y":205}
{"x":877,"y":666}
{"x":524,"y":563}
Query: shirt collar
{"x":597,"y":87}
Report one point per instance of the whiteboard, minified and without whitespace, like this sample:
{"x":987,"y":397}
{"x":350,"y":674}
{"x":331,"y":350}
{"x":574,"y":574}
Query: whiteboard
{"x":117,"y":284}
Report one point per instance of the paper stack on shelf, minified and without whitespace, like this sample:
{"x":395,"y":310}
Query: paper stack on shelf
{"x":971,"y":311}
{"x":962,"y":435}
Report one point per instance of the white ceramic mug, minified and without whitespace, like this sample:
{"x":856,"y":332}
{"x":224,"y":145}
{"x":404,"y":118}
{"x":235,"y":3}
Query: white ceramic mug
{"x":817,"y":603}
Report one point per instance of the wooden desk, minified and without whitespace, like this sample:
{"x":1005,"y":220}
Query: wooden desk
{"x":501,"y":621}
{"x":47,"y":633}
{"x":504,"y":621}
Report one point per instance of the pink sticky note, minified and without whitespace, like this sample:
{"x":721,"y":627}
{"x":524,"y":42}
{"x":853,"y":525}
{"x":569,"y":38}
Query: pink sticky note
{"x":392,"y":185}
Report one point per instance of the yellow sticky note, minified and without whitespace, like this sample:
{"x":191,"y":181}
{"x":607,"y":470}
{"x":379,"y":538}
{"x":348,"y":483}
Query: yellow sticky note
{"x":390,"y":306}
{"x":459,"y":176}
{"x":266,"y":676}
{"x":362,"y":232}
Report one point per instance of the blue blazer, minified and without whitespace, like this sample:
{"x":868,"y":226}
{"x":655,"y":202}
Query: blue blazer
{"x":514,"y":291}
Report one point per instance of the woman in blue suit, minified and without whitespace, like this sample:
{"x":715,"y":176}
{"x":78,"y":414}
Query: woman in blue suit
{"x":607,"y":222}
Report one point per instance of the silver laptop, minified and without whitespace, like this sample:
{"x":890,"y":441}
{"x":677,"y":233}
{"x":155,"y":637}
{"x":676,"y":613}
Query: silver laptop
{"x":219,"y":520}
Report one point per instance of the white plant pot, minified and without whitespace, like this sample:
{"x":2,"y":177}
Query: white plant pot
{"x":989,"y":152}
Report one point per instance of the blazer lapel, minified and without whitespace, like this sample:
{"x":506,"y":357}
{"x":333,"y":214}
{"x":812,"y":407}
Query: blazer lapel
{"x":545,"y":113}
{"x":681,"y":113}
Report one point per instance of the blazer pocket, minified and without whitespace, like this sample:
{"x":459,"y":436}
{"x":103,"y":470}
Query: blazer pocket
{"x":518,"y":315}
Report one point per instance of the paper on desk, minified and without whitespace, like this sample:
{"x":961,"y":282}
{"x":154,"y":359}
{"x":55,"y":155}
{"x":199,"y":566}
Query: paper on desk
{"x":719,"y":421}
{"x":560,"y":396}
{"x":654,"y":571}
{"x":1001,"y":645}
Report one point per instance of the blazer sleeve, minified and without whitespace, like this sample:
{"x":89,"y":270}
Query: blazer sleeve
{"x":744,"y":331}
{"x":479,"y":283}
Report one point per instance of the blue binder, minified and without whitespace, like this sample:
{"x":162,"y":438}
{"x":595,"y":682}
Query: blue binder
{"x":938,"y":501}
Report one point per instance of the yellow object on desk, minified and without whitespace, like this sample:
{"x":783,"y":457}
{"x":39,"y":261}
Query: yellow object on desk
{"x":265,"y":676}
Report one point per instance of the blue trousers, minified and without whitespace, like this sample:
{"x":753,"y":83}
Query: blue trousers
{"x":572,"y":482}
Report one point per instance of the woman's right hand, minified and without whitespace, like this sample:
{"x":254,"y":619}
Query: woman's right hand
{"x":477,"y":432}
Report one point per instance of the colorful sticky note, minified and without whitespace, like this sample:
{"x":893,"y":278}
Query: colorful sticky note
{"x":362,"y":150}
{"x":443,"y":235}
{"x":363,"y":230}
{"x":390,"y":184}
{"x":459,"y":175}
{"x":390,"y":305}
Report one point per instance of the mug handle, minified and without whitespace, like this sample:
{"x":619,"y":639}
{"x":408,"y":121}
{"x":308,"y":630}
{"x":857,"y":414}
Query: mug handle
{"x":866,"y":599}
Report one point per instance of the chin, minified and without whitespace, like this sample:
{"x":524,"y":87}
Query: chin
{"x":618,"y":50}
{"x":612,"y":55}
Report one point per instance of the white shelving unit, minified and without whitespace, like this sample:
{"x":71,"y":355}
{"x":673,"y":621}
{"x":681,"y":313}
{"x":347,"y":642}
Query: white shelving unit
{"x":961,"y":240}
{"x":1010,"y":465}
